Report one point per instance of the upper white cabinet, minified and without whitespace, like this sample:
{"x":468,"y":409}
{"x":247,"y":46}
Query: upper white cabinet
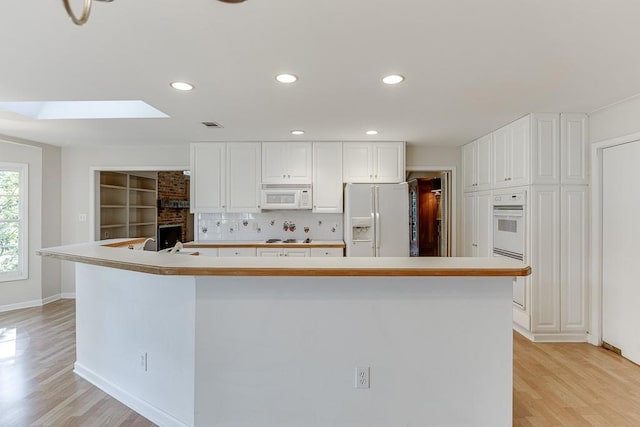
{"x":327,"y":177}
{"x":286,"y":162}
{"x":208,"y":177}
{"x":476,"y":164}
{"x":373,"y":162}
{"x":243,"y":177}
{"x":225,"y":177}
{"x":511,"y":154}
{"x":575,"y":148}
{"x":545,"y":149}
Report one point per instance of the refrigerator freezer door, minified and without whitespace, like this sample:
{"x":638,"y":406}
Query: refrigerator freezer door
{"x":358,"y":208}
{"x":392,"y":225}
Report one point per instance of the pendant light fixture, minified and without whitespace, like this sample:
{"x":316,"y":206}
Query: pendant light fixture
{"x":86,"y":11}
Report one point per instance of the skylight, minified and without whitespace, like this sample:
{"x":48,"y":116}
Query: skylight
{"x":61,"y":110}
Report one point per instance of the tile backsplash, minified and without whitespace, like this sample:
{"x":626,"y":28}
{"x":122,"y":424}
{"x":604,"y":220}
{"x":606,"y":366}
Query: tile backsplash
{"x":269,"y":225}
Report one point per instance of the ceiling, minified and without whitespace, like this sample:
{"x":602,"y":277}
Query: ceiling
{"x":470,"y":66}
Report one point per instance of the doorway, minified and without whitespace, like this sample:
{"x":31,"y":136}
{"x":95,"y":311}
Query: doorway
{"x":430,"y":212}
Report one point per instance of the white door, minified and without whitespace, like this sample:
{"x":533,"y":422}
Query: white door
{"x":501,"y":146}
{"x":518,"y":154}
{"x":243,"y":177}
{"x":392,"y":220}
{"x":620,"y":249}
{"x":575,"y":148}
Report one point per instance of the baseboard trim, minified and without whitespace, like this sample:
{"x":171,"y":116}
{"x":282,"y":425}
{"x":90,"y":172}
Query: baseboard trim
{"x":68,"y":295}
{"x":140,"y":406}
{"x":551,"y":337}
{"x":50,"y":299}
{"x":34,"y":303}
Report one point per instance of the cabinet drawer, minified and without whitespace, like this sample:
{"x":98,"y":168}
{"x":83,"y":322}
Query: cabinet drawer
{"x":229,"y":252}
{"x":327,"y":252}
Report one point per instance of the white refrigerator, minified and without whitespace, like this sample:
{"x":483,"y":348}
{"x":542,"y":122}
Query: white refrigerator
{"x":376,"y":220}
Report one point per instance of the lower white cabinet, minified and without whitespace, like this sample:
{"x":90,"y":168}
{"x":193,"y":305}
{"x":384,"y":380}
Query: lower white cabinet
{"x":478,"y":235}
{"x":327,"y":252}
{"x":208,"y":251}
{"x":291,"y":252}
{"x":239,"y":252}
{"x":559,"y":247}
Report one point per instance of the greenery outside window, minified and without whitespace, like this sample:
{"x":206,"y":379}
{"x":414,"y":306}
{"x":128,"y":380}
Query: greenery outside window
{"x":13,"y":221}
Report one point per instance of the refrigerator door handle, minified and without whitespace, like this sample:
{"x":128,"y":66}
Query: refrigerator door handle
{"x":374,"y":238}
{"x":377,"y":220}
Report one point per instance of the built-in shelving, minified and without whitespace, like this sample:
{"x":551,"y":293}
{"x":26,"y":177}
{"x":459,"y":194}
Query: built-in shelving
{"x":128,"y":206}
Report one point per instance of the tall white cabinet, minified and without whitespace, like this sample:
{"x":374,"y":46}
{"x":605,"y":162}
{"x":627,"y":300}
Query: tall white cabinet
{"x":327,"y":177}
{"x":546,"y":155}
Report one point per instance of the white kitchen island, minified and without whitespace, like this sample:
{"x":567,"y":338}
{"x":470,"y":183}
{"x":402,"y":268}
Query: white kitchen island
{"x":199,"y":341}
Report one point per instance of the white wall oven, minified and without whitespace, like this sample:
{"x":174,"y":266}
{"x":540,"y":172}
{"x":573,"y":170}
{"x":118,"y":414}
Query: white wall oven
{"x":509,"y":234}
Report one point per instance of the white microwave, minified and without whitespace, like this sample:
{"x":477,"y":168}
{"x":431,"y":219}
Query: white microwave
{"x":286,"y":196}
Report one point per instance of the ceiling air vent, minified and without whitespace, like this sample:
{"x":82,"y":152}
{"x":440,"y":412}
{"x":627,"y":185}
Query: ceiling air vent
{"x":212,"y":124}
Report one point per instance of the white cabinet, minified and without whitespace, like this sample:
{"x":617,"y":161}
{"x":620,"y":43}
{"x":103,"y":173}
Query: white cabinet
{"x":208,"y":177}
{"x":289,"y":252}
{"x":236,"y":252}
{"x":511,"y":154}
{"x":545,"y":259}
{"x":545,"y":149}
{"x":243,"y":177}
{"x":575,"y":149}
{"x":478,"y":236}
{"x":213,"y":252}
{"x":476,"y":164}
{"x":327,"y":252}
{"x":373,"y":162}
{"x":574,"y":256}
{"x":327,"y":177}
{"x":286,"y":162}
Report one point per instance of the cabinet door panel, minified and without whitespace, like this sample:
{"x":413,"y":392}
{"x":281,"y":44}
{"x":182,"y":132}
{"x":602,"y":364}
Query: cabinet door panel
{"x":545,"y":149}
{"x":545,"y":259}
{"x":469,"y":225}
{"x":575,"y":149}
{"x":208,"y":179}
{"x":357,"y":162}
{"x":483,"y":163}
{"x":389,"y":162}
{"x":274,"y":168}
{"x":244,"y":174}
{"x":574,"y":255}
{"x":327,"y":177}
{"x":484,"y":231}
{"x":469,"y":165}
{"x":296,"y":252}
{"x":298,"y":162}
{"x":518,"y":154}
{"x":268,"y":252}
{"x":501,"y":143}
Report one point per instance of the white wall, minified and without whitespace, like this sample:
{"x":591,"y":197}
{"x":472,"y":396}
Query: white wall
{"x":441,"y":156}
{"x":76,"y":171}
{"x":622,"y":118}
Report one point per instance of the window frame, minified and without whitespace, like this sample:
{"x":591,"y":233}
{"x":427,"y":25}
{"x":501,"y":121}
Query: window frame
{"x":23,"y":222}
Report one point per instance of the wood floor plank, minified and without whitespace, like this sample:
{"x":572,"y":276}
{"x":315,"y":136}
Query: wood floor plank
{"x":564,"y":385}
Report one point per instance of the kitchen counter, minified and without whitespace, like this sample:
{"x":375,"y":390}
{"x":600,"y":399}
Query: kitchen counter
{"x":204,"y":341}
{"x":106,"y":255}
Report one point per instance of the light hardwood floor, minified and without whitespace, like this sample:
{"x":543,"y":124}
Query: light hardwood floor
{"x":553,"y":384}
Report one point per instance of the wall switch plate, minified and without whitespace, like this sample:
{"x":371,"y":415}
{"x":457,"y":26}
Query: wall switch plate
{"x":362,"y":377}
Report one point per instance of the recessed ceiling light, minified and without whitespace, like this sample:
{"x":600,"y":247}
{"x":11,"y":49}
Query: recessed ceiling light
{"x":297,"y":132}
{"x":182,"y":86}
{"x":286,"y":78}
{"x":393,"y":79}
{"x":372,"y":132}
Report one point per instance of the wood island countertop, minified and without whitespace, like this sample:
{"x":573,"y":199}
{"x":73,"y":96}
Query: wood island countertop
{"x":115,"y":256}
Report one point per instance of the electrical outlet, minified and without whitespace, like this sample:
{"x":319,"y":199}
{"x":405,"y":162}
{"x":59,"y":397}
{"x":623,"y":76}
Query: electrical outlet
{"x":82,"y":217}
{"x":106,"y":234}
{"x":362,"y":377}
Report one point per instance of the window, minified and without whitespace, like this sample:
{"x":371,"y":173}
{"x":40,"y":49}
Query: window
{"x":13,"y":221}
